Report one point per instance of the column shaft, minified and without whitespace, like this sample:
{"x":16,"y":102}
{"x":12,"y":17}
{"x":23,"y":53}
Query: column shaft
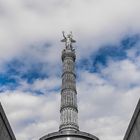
{"x":68,"y":110}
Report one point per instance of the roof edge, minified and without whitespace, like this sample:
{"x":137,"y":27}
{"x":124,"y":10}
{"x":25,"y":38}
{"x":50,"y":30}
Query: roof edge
{"x":133,"y":120}
{"x":6,"y":122}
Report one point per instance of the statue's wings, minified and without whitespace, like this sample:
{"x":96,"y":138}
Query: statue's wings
{"x":73,"y":41}
{"x":63,"y":40}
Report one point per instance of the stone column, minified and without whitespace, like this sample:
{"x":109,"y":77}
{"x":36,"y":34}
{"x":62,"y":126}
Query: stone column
{"x":68,"y":110}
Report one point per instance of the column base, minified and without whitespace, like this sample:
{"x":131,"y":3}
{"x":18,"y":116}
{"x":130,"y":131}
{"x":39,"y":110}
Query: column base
{"x":65,"y":127}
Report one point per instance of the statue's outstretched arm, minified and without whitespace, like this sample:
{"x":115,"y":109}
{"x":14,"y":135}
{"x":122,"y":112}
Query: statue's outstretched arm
{"x":63,"y":34}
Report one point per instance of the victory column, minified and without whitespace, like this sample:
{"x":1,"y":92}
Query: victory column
{"x":69,"y":129}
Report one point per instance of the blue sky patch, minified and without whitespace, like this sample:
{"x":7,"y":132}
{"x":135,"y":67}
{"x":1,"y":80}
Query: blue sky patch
{"x":98,"y":60}
{"x":17,"y":70}
{"x":31,"y":69}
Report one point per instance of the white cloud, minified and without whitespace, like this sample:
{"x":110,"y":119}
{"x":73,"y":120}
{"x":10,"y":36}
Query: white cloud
{"x":93,"y":22}
{"x":107,"y":100}
{"x":104,"y":109}
{"x":43,"y":85}
{"x":31,"y":116}
{"x":123,"y":73}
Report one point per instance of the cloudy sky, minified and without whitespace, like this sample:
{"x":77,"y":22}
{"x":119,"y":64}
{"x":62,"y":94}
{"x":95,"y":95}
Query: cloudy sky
{"x":107,"y":66}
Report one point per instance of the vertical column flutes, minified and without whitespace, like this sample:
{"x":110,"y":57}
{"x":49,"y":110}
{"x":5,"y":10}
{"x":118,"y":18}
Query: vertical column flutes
{"x":68,"y":109}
